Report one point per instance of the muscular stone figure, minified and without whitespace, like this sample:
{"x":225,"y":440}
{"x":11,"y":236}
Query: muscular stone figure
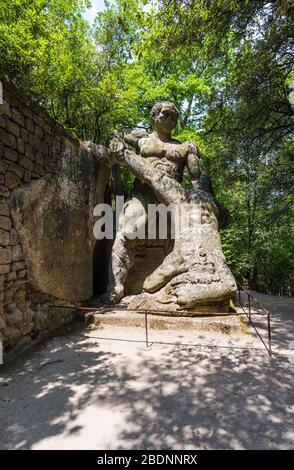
{"x":167,"y":156}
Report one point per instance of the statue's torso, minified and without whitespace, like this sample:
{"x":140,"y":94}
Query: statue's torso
{"x":168,"y":157}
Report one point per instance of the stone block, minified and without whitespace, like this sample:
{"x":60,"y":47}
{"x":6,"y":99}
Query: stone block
{"x":2,"y":324}
{"x":20,"y":145}
{"x":38,"y":119}
{"x":5,"y":222}
{"x":10,"y":154}
{"x":26,"y":163}
{"x":17,"y":253}
{"x":30,"y":152}
{"x":13,"y":128}
{"x":11,"y":276}
{"x":4,"y":209}
{"x":4,"y":237}
{"x":40,"y":159}
{"x":12,"y":334}
{"x":7,"y":139}
{"x":14,"y":239}
{"x":4,"y":191}
{"x":25,"y":135}
{"x":29,"y":125}
{"x":27,"y":176}
{"x":17,"y":117}
{"x":8,"y":295}
{"x":20,"y":296}
{"x":2,"y":122}
{"x":18,"y":265}
{"x":4,"y":268}
{"x":27,"y":112}
{"x":36,"y":143}
{"x":39,"y":170}
{"x":12,"y":180}
{"x":21,"y":274}
{"x":38,"y":132}
{"x":5,"y":109}
{"x":5,"y":255}
{"x":15,"y":318}
{"x":15,"y":168}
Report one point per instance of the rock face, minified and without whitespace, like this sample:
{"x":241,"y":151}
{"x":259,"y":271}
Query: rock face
{"x":49,"y":184}
{"x":51,"y":216}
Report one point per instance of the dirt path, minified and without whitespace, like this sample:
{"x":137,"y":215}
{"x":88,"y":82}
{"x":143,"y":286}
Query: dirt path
{"x":82,"y":391}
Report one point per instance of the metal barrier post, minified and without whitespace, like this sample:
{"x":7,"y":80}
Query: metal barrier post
{"x":249,"y":307}
{"x":269,"y":334}
{"x":146,"y":330}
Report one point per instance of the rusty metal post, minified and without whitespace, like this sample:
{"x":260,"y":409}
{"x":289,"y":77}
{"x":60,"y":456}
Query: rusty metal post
{"x":269,"y":334}
{"x":146,"y":330}
{"x":249,"y":308}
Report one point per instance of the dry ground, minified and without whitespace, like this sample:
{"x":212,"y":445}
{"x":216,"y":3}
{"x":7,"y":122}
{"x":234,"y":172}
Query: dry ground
{"x":105,"y":389}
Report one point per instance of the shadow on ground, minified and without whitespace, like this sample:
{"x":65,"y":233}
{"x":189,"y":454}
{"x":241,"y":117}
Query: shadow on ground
{"x":79,"y":392}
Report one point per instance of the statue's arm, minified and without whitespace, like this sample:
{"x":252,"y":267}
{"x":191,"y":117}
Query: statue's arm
{"x":132,"y":138}
{"x":121,"y":140}
{"x":199,"y":177}
{"x":193,"y":164}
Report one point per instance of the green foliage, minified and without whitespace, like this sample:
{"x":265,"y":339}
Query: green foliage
{"x":228,"y":67}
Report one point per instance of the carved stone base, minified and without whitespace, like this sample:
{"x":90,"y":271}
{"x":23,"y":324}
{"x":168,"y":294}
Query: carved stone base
{"x":148,"y":302}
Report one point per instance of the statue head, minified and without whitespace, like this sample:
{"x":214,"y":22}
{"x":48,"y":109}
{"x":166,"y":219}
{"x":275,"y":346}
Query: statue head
{"x":164,"y":116}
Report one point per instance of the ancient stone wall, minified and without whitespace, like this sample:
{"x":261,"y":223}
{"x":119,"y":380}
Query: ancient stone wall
{"x":49,"y":184}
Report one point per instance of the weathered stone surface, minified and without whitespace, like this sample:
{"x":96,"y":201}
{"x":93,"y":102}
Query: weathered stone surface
{"x":5,"y":109}
{"x":18,"y":265}
{"x":15,"y":168}
{"x":194,"y":275}
{"x":13,"y":240}
{"x":10,"y":154}
{"x":4,"y":268}
{"x":15,"y":318}
{"x":4,"y":237}
{"x":29,"y":125}
{"x":12,"y":128}
{"x":7,"y":139}
{"x":5,"y":255}
{"x":17,"y":253}
{"x":9,"y":295}
{"x":21,"y":274}
{"x":18,"y":117}
{"x":5,"y":222}
{"x":2,"y":324}
{"x":11,"y":276}
{"x":20,"y":146}
{"x":27,"y":176}
{"x":26,"y":163}
{"x":20,"y":296}
{"x":12,"y":180}
{"x":4,"y":209}
{"x":53,"y":219}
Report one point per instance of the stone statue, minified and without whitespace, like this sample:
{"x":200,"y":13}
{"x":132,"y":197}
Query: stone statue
{"x":194,"y":275}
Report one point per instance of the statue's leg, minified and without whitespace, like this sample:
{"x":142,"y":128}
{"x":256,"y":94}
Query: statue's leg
{"x":131,"y":222}
{"x":172,"y":265}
